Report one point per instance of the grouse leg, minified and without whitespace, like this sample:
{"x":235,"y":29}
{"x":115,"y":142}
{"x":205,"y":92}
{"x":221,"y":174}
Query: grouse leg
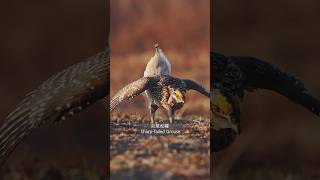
{"x":152,"y":110}
{"x":171,"y":115}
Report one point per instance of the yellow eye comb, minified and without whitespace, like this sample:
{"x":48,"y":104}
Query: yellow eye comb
{"x":221,"y":101}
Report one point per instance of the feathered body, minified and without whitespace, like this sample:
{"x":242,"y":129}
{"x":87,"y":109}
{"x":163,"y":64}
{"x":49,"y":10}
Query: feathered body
{"x":161,"y":96}
{"x":158,"y":65}
{"x":169,"y":95}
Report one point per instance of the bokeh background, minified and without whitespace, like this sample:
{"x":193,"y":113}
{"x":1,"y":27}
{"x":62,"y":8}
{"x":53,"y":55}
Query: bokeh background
{"x":280,"y":139}
{"x":38,"y":39}
{"x":181,"y":27}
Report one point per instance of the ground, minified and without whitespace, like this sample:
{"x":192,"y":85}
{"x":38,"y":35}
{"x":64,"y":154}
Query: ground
{"x":159,"y":156}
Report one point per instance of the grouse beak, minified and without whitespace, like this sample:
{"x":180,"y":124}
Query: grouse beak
{"x":156,"y":46}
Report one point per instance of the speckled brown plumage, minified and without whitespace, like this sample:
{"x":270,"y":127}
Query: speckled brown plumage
{"x":159,"y":87}
{"x":61,"y":96}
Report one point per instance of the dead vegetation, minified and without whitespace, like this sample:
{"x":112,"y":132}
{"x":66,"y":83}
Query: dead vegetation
{"x":144,"y":156}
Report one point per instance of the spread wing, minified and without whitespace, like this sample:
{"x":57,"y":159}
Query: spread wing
{"x":195,"y":86}
{"x":133,"y":89}
{"x":260,"y":74}
{"x":247,"y":73}
{"x":61,"y":96}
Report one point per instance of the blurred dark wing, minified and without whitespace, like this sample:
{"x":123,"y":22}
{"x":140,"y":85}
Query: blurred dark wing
{"x":64,"y":94}
{"x":195,"y":86}
{"x":132,"y":90}
{"x":260,"y":74}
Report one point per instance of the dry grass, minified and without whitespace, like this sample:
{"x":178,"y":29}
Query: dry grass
{"x":139,"y":156}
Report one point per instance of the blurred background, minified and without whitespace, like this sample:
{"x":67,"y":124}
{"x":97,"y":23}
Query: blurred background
{"x":38,"y":39}
{"x":280,"y":140}
{"x":181,"y":28}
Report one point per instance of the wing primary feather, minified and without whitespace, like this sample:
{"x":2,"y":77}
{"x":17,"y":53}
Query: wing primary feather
{"x":133,"y":89}
{"x":65,"y":88}
{"x":195,"y":86}
{"x":260,"y":74}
